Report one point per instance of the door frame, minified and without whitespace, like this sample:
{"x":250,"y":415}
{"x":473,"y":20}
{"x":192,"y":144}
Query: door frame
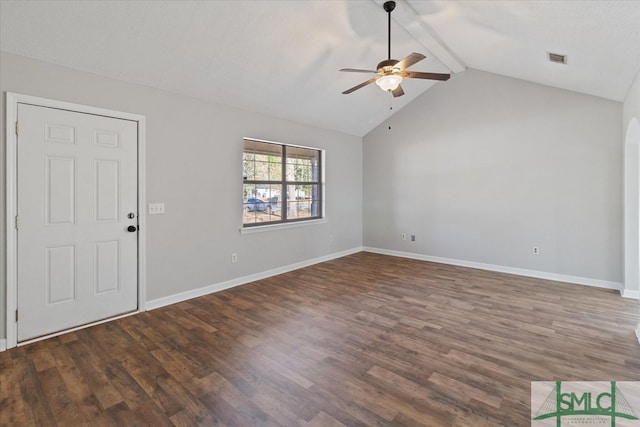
{"x":11,"y":116}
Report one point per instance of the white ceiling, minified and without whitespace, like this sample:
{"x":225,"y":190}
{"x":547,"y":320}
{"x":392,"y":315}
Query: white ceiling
{"x":282,"y":57}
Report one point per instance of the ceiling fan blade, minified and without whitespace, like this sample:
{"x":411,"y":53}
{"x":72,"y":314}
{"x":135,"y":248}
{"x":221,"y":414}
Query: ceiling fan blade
{"x":407,"y":62}
{"x":397,"y":92}
{"x":356,"y":70}
{"x":363,"y":84}
{"x":429,"y":76}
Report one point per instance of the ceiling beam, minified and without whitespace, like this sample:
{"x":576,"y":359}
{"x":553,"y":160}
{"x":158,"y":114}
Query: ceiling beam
{"x":410,"y":20}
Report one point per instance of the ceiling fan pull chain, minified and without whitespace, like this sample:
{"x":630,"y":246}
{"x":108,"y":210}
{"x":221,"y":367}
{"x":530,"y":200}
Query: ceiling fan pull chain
{"x":390,"y":110}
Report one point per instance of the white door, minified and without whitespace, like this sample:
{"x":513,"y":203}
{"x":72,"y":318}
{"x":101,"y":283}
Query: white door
{"x":77,"y":196}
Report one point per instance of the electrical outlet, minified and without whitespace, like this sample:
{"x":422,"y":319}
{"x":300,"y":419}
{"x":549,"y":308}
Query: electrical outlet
{"x":234,"y":257}
{"x":536,"y":250}
{"x":413,"y":237}
{"x":404,"y":236}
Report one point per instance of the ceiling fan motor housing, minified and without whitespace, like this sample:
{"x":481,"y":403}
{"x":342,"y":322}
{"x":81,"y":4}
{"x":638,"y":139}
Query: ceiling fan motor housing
{"x":389,"y":63}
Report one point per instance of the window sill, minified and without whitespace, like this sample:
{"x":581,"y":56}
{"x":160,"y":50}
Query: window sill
{"x":272,"y":227}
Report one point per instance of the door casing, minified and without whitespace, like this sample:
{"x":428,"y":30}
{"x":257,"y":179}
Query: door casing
{"x":12,"y":101}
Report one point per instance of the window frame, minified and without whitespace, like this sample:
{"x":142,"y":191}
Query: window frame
{"x":283,"y":183}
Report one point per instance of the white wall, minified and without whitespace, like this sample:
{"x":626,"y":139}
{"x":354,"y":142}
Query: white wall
{"x":484,"y":167}
{"x":631,"y":132}
{"x":194,"y":152}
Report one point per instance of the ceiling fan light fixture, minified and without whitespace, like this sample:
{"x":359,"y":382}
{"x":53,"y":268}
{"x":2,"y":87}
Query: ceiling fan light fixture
{"x":389,"y":82}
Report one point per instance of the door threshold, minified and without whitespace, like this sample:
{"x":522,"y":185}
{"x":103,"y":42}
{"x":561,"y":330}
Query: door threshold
{"x":77,"y":328}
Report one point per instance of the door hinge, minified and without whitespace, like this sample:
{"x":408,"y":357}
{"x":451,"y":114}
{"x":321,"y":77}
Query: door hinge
{"x":16,"y":222}
{"x":16,"y":315}
{"x":16,"y":127}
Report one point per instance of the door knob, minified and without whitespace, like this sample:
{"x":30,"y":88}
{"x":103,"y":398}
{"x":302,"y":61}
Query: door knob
{"x":132,"y":228}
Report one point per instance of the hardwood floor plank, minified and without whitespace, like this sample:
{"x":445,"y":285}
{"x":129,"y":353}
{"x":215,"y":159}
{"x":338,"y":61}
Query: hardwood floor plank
{"x":65,"y":410}
{"x":148,"y":415}
{"x":324,"y":420}
{"x":186,"y":400}
{"x":43,"y":360}
{"x":185,"y":419}
{"x":90,"y":367}
{"x":78,"y":389}
{"x":11,"y":400}
{"x":126,"y":385}
{"x":238,"y":416}
{"x":36,"y":403}
{"x":272,"y":404}
{"x":266,"y":362}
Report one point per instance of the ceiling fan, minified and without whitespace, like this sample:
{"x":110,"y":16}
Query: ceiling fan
{"x":390,"y":72}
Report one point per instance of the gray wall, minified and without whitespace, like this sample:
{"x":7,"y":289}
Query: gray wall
{"x":193,"y":155}
{"x":484,"y":167}
{"x":631,"y":110}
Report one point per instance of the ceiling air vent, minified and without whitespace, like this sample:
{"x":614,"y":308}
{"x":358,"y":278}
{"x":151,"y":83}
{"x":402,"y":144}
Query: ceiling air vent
{"x":557,"y":58}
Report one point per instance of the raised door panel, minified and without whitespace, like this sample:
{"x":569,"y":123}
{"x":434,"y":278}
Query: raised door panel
{"x":60,"y":274}
{"x":106,"y":190}
{"x":60,"y":190}
{"x":107,"y":266}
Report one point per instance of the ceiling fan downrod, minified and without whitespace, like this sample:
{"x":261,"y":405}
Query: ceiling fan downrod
{"x":388,"y":7}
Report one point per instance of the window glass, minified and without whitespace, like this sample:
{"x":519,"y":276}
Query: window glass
{"x":281,"y":183}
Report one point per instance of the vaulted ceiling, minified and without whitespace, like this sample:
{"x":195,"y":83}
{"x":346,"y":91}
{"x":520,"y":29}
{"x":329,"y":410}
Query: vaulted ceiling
{"x":282,"y":57}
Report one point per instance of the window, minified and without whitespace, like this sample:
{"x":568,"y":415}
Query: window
{"x":282,"y":183}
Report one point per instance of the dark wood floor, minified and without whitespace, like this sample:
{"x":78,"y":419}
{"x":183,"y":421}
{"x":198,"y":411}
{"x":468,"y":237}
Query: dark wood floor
{"x":362,"y":340}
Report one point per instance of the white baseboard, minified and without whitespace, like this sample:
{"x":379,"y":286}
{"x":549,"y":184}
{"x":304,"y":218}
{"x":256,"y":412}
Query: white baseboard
{"x":216,"y":287}
{"x":638,"y":332}
{"x":630,"y":294}
{"x":3,"y":344}
{"x":502,"y":269}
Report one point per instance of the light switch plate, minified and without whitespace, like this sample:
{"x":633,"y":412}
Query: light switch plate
{"x":156,"y":208}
